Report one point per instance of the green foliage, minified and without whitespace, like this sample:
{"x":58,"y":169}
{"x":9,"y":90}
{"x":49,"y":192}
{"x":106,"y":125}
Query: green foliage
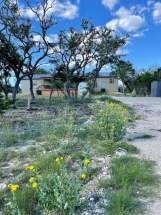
{"x":125,"y":72}
{"x":128,"y":171}
{"x":6,"y":155}
{"x":26,"y":201}
{"x":123,"y":202}
{"x":8,"y":137}
{"x":59,"y":192}
{"x":110,"y":122}
{"x":129,"y":147}
{"x":129,"y":177}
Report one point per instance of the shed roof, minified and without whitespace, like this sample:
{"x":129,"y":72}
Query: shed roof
{"x":39,"y":76}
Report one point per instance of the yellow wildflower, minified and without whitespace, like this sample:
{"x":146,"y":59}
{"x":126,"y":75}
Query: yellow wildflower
{"x":13,"y":187}
{"x":31,"y":180}
{"x":30,"y":168}
{"x":86,"y":161}
{"x":83,"y":176}
{"x":35,"y":185}
{"x":59,"y":159}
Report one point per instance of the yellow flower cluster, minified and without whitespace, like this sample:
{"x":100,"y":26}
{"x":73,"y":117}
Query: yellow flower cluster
{"x":86,"y":161}
{"x":59,"y":160}
{"x":83,"y":176}
{"x":30,"y":168}
{"x":33,"y":183}
{"x":13,"y":187}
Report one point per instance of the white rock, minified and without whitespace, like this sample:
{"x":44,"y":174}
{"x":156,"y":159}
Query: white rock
{"x":82,"y":89}
{"x":121,"y":152}
{"x":3,"y":186}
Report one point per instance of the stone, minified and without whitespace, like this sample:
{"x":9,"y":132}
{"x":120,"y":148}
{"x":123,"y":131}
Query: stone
{"x":121,"y":152}
{"x":3,"y":186}
{"x":83,"y":89}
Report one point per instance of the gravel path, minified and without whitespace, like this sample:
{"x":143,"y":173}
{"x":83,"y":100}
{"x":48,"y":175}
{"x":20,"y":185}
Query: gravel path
{"x":146,"y":136}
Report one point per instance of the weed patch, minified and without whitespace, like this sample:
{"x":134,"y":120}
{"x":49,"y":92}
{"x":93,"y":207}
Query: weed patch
{"x":129,"y":177}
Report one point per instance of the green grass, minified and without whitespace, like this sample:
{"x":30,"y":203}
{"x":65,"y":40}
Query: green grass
{"x":128,"y":176}
{"x":105,"y":147}
{"x":6,"y":155}
{"x":123,"y":202}
{"x":130,"y":171}
{"x":9,"y":138}
{"x":128,"y":147}
{"x":26,"y":201}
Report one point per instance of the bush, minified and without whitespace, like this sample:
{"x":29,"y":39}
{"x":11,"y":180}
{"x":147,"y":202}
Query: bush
{"x":58,"y":192}
{"x":110,"y":122}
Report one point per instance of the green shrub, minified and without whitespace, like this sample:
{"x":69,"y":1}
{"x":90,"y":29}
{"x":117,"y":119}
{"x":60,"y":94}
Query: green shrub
{"x":110,"y":122}
{"x":58,"y":192}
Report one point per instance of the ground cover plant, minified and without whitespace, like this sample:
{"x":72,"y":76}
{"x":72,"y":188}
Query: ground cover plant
{"x":53,"y":158}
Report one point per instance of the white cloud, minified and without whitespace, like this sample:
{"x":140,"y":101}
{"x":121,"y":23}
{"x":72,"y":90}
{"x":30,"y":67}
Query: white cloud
{"x":109,"y":3}
{"x":64,"y":9}
{"x":113,"y":24}
{"x":51,"y":38}
{"x":126,"y":20}
{"x":157,"y":12}
{"x":27,"y":12}
{"x":122,"y":52}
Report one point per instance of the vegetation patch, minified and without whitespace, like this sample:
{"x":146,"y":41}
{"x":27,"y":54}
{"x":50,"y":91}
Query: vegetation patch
{"x":145,"y":136}
{"x":129,"y":177}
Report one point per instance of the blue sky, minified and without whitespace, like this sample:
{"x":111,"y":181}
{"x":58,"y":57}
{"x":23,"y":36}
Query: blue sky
{"x":141,"y":19}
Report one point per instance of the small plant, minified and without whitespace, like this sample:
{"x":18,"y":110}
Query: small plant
{"x":9,"y":138}
{"x":58,"y":192}
{"x":123,"y":202}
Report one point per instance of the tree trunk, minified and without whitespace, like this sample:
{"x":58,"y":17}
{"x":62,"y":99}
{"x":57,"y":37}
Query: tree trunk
{"x":67,"y":89}
{"x":51,"y":93}
{"x":6,"y":95}
{"x":31,"y":89}
{"x":76,"y":91}
{"x":15,"y":90}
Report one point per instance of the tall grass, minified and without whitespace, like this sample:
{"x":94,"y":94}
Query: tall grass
{"x":129,"y":178}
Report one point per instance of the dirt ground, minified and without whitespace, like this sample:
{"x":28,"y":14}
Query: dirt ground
{"x":146,"y":136}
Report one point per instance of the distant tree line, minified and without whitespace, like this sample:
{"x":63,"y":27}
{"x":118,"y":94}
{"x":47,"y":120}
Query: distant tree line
{"x":140,"y":81}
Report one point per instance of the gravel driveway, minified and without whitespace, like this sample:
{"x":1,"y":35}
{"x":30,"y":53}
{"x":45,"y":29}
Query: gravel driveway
{"x":146,"y":136}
